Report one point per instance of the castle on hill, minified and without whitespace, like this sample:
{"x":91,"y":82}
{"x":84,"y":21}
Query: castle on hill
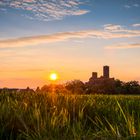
{"x":98,"y":80}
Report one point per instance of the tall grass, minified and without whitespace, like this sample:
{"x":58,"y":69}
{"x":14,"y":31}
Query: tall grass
{"x":42,"y":116}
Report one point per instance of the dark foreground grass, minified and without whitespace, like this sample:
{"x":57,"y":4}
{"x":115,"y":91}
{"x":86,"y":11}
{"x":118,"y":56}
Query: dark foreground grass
{"x":39,"y":116}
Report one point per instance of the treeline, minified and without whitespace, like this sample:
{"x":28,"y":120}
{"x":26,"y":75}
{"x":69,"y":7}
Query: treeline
{"x":114,"y":87}
{"x":78,"y":87}
{"x":104,"y":87}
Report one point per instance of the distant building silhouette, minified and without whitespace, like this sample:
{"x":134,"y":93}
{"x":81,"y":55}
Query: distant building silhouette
{"x":94,"y":75}
{"x":98,"y":80}
{"x":106,"y":71}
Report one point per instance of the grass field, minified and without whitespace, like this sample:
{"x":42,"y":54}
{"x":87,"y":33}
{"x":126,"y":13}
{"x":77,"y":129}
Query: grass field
{"x":40,"y":116}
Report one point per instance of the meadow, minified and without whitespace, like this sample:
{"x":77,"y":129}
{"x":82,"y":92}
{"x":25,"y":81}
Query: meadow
{"x":46,"y":116}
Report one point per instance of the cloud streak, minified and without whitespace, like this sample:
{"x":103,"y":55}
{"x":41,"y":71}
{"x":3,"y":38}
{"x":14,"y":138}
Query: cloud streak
{"x":113,"y":27}
{"x":135,"y":5}
{"x":136,"y":25}
{"x":64,"y":36}
{"x":46,"y":10}
{"x":124,"y":46}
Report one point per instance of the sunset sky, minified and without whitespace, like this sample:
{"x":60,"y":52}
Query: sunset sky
{"x":70,"y":37}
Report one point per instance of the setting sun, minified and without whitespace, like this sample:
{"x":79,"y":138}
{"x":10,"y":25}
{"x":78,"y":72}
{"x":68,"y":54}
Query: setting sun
{"x":53,"y":76}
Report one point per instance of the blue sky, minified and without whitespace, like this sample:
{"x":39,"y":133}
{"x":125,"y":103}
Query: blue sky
{"x":37,"y":37}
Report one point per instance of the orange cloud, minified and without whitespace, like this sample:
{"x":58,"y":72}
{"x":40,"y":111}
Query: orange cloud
{"x":124,"y":46}
{"x":63,"y":36}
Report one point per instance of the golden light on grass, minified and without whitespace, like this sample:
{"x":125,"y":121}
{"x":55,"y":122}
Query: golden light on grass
{"x":53,"y":76}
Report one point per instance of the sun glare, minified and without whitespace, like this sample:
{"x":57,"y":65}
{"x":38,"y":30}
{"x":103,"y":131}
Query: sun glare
{"x":53,"y":77}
